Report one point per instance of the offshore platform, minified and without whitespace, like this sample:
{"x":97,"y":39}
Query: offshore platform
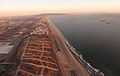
{"x":33,"y":46}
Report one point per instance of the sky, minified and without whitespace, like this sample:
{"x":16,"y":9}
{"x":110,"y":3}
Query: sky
{"x":29,"y":7}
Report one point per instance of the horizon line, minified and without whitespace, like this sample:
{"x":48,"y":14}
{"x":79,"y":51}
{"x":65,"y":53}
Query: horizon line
{"x":54,"y":13}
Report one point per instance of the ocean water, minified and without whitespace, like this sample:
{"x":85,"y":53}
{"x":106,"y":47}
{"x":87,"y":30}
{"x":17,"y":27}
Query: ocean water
{"x":96,"y":36}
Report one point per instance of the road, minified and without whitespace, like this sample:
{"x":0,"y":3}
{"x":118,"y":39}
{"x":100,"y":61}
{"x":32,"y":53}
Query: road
{"x":43,"y":52}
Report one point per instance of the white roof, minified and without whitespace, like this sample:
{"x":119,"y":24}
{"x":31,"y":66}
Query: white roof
{"x":5,"y":49}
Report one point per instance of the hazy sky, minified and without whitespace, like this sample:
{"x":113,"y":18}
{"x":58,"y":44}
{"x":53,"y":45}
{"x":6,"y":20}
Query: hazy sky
{"x":24,"y":7}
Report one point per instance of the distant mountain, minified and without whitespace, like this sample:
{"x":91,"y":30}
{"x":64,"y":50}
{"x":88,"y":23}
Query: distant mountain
{"x":23,"y":16}
{"x":52,"y":14}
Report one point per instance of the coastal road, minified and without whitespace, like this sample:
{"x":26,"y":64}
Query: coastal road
{"x":68,"y":63}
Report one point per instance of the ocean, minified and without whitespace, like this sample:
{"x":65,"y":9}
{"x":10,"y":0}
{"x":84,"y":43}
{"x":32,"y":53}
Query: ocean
{"x":96,"y":36}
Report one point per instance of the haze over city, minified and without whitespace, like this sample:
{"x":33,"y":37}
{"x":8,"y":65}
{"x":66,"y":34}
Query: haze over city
{"x":59,"y":37}
{"x":28,"y":7}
